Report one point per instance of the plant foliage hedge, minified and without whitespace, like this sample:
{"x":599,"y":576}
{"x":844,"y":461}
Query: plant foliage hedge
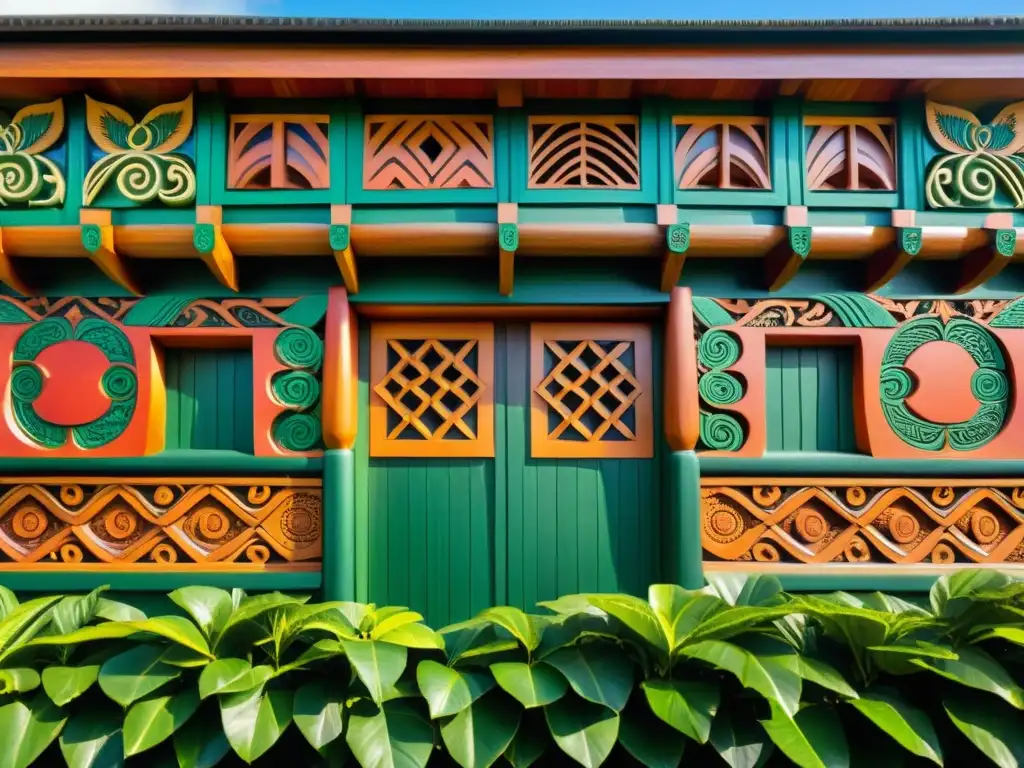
{"x":737,"y":674}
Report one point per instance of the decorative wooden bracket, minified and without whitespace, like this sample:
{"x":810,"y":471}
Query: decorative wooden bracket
{"x":208,"y":240}
{"x":890,"y":261}
{"x":508,"y":244}
{"x":510,"y":93}
{"x":782,"y":264}
{"x":98,"y":240}
{"x":8,"y":274}
{"x":341,"y":372}
{"x":341,"y":243}
{"x":677,"y":242}
{"x":982,"y":265}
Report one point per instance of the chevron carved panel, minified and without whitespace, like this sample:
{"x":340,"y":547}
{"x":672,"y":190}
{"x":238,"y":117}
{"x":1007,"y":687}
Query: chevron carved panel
{"x":571,"y":152}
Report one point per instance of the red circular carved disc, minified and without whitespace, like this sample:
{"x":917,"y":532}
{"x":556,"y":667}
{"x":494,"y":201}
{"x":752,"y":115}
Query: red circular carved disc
{"x":72,"y":394}
{"x":943,"y":394}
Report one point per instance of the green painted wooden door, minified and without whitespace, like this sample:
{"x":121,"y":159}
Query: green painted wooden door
{"x":209,"y":399}
{"x":449,"y":537}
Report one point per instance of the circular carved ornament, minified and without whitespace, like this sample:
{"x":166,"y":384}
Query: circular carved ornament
{"x":990,"y":385}
{"x":811,"y":525}
{"x":984,"y":526}
{"x":903,"y":526}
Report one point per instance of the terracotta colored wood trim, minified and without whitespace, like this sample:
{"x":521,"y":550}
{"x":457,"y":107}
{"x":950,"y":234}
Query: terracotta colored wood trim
{"x":844,"y":482}
{"x":889,"y":261}
{"x":303,"y":482}
{"x":196,"y":568}
{"x":344,"y":255}
{"x":216,"y":255}
{"x":8,"y":274}
{"x":341,"y":372}
{"x":529,"y":312}
{"x":983,"y":264}
{"x":104,"y":255}
{"x":682,"y":403}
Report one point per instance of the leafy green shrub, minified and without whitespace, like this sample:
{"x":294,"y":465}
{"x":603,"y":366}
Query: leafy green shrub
{"x":738,"y":674}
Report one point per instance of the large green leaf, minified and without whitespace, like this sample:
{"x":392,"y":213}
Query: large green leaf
{"x":598,"y":672}
{"x":250,"y":609}
{"x":393,"y":620}
{"x":990,"y":725}
{"x":449,"y":691}
{"x":414,"y":636}
{"x":115,"y":610}
{"x":139,"y":671}
{"x":318,"y":711}
{"x":178,"y":630}
{"x":948,"y":594}
{"x":736,"y":620}
{"x":636,"y":615}
{"x":680,"y":610}
{"x":201,"y":742}
{"x":64,"y":684}
{"x":232,"y":676}
{"x":254,"y":720}
{"x":28,"y":728}
{"x":584,"y":731}
{"x":740,"y":740}
{"x":689,"y":707}
{"x":393,"y":736}
{"x":518,"y":624}
{"x":774,"y":681}
{"x":812,"y":739}
{"x":75,"y":612}
{"x":8,"y":600}
{"x":908,"y":725}
{"x":533,"y":685}
{"x":378,"y":665}
{"x":478,"y":735}
{"x":209,"y":607}
{"x":976,"y":669}
{"x":649,"y":740}
{"x":153,"y":720}
{"x":24,"y":623}
{"x":745,"y":589}
{"x":18,"y":680}
{"x":530,"y":742}
{"x":92,"y":739}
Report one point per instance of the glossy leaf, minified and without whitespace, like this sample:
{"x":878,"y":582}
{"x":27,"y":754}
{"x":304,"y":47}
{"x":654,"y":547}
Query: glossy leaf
{"x":28,"y":728}
{"x":393,"y":736}
{"x":393,"y":621}
{"x":584,"y":731}
{"x":115,"y":610}
{"x":812,"y":739}
{"x":201,"y":742}
{"x":209,"y":607}
{"x":689,"y":707}
{"x":74,"y":612}
{"x":232,"y":676}
{"x":680,"y":610}
{"x":64,"y":684}
{"x":250,"y":609}
{"x":650,"y":741}
{"x":518,"y":624}
{"x":414,"y":636}
{"x":449,"y":691}
{"x":530,"y":742}
{"x":773,"y":681}
{"x":317,"y":711}
{"x":478,"y":735}
{"x":745,"y":589}
{"x":254,"y":720}
{"x":597,"y":672}
{"x":153,"y":720}
{"x":976,"y":669}
{"x":740,"y":740}
{"x":948,"y":593}
{"x":378,"y":665}
{"x":532,"y":685}
{"x":176,"y":629}
{"x":18,"y":680}
{"x":92,"y":739}
{"x":139,"y":671}
{"x":990,"y":725}
{"x":24,"y":623}
{"x":637,"y":615}
{"x":908,"y":725}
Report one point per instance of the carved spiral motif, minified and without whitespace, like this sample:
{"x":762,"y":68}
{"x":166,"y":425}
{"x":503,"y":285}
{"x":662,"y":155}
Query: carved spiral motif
{"x":721,"y":432}
{"x":1006,"y":241}
{"x":1017,"y":497}
{"x":903,"y":526}
{"x":299,"y":348}
{"x":296,"y":389}
{"x":718,"y":349}
{"x":92,"y":238}
{"x":258,"y":494}
{"x":71,"y":553}
{"x":257,"y":553}
{"x":212,"y":524}
{"x":119,"y":383}
{"x":720,"y":388}
{"x":26,"y":382}
{"x":204,"y":238}
{"x":857,"y":550}
{"x":984,"y":526}
{"x":163,"y":496}
{"x":724,"y":524}
{"x":29,"y":522}
{"x":943,"y":495}
{"x":766,"y":496}
{"x":766,"y":553}
{"x":810,"y":525}
{"x":896,"y":384}
{"x":164,"y":554}
{"x":943,"y":554}
{"x":297,"y":431}
{"x":71,"y":495}
{"x":509,"y":237}
{"x":856,"y":496}
{"x":301,"y":521}
{"x":989,"y":386}
{"x":120,"y":523}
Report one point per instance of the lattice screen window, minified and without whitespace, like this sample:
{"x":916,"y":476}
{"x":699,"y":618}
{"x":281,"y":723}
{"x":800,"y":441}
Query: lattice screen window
{"x":278,"y":152}
{"x":592,"y":391}
{"x":850,"y":153}
{"x":722,"y":153}
{"x":432,"y":389}
{"x":428,"y":152}
{"x":584,"y":152}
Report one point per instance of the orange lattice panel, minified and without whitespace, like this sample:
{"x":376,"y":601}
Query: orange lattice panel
{"x":850,"y":153}
{"x":278,"y":152}
{"x":584,"y":152}
{"x":722,"y":153}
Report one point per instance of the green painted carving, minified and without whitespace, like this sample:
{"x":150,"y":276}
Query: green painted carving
{"x":308,"y":311}
{"x":1010,"y":316}
{"x":989,"y":384}
{"x":204,"y":237}
{"x":1006,"y":240}
{"x":709,"y":313}
{"x":299,"y":348}
{"x":719,"y":388}
{"x":338,"y":234}
{"x":296,"y":389}
{"x":297,"y":431}
{"x":92,"y":238}
{"x":157,"y":311}
{"x":677,"y":238}
{"x":800,"y":241}
{"x":718,"y":349}
{"x":12,"y":313}
{"x":983,"y":166}
{"x":508,"y":237}
{"x":27,"y":175}
{"x":855,"y":310}
{"x":119,"y":382}
{"x":720,"y":431}
{"x":910,"y":240}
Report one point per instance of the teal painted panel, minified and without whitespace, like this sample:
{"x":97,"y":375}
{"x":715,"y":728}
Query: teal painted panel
{"x":809,"y":404}
{"x":209,"y":399}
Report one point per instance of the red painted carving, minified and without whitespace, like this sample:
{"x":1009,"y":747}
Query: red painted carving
{"x":943,"y":393}
{"x":71,"y":391}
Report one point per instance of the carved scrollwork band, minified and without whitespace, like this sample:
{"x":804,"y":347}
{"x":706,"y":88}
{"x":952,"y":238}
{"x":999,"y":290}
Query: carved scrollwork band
{"x":874,"y":522}
{"x":717,"y":351}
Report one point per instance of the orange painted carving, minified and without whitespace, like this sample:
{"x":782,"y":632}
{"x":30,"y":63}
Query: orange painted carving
{"x":943,"y":393}
{"x":851,"y":153}
{"x":722,"y":153}
{"x":71,"y":387}
{"x":570,"y":152}
{"x":279,"y":152}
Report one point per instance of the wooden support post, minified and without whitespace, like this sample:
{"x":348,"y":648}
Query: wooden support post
{"x":508,"y":244}
{"x":682,"y":410}
{"x":98,"y":241}
{"x":890,"y":261}
{"x":677,"y":241}
{"x":341,"y":244}
{"x":682,"y":547}
{"x":782,"y":264}
{"x":8,"y":274}
{"x":510,"y":93}
{"x":982,"y":265}
{"x":208,"y":240}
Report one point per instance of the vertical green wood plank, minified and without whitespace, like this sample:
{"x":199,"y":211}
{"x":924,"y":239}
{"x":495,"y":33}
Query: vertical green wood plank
{"x":828,"y":405}
{"x":378,"y":518}
{"x":172,"y":374}
{"x":483,"y":558}
{"x":608,"y":525}
{"x":398,"y":532}
{"x":419,"y":572}
{"x":568,"y":532}
{"x":497,"y":469}
{"x":519,"y":160}
{"x":363,"y":471}
{"x":244,"y":401}
{"x":846,"y":438}
{"x":588,"y":535}
{"x":790,"y":399}
{"x":547,"y":530}
{"x":773,"y":404}
{"x":225,"y":409}
{"x":629,"y":535}
{"x":460,"y":574}
{"x":515,"y":459}
{"x":438,"y":545}
{"x":336,"y":141}
{"x":647,"y":565}
{"x":808,"y":398}
{"x":187,"y":398}
{"x":205,"y":428}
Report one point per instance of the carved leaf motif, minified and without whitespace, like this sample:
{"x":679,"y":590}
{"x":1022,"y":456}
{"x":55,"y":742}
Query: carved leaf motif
{"x":108,"y":126}
{"x":170,"y":125}
{"x":41,"y":125}
{"x":952,"y":128}
{"x":1008,"y":130}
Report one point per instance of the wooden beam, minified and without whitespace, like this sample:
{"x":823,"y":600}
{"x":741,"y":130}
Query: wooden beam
{"x":677,"y":241}
{"x":508,"y":244}
{"x":785,"y":260}
{"x":510,"y":93}
{"x":340,"y":235}
{"x":208,"y":240}
{"x":97,"y":232}
{"x":8,"y":274}
{"x":890,"y":261}
{"x":983,"y":264}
